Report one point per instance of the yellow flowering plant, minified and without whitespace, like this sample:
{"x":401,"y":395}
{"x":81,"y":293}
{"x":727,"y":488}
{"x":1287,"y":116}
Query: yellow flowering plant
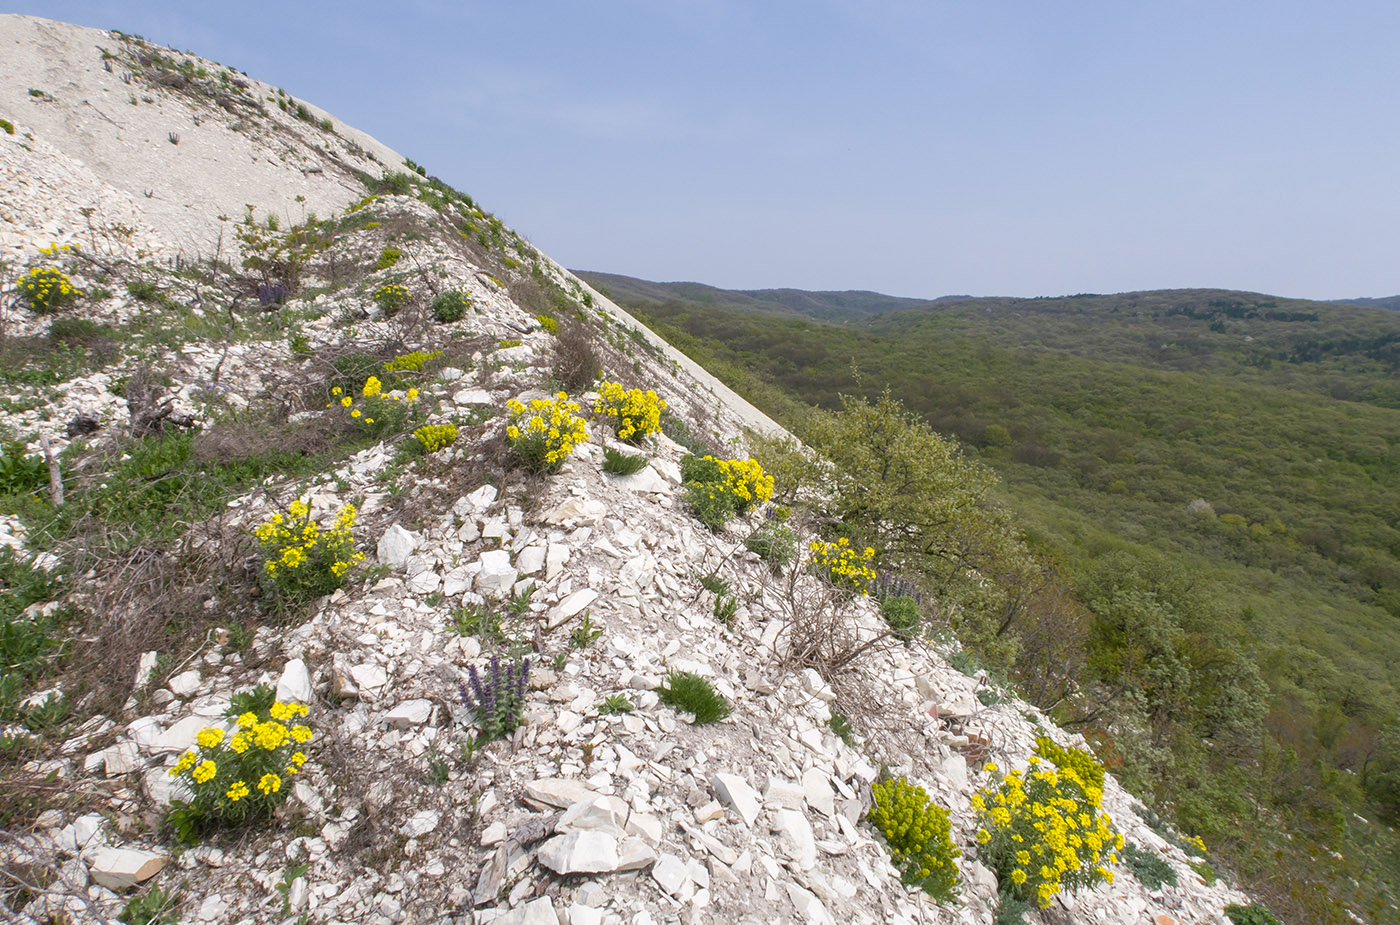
{"x":302,"y":559}
{"x":46,"y":289}
{"x":410,"y":362}
{"x":918,"y":834}
{"x":1044,"y":830}
{"x":717,"y":489}
{"x":843,"y":565}
{"x":545,"y":432}
{"x":241,"y":770}
{"x":372,"y":410}
{"x":390,"y":297}
{"x":632,"y":413}
{"x":433,"y":437}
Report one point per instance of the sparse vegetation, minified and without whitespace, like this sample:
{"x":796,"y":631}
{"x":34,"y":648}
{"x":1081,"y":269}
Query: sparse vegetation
{"x":690,"y":693}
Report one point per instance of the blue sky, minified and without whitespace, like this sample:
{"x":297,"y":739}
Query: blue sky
{"x":915,"y":148}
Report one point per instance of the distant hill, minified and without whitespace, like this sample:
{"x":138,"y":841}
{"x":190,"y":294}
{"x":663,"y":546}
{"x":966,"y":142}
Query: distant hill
{"x":850,"y":305}
{"x":1391,"y":302}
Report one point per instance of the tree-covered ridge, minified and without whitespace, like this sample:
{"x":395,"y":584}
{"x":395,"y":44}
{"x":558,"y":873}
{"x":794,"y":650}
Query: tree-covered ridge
{"x":1213,"y":588}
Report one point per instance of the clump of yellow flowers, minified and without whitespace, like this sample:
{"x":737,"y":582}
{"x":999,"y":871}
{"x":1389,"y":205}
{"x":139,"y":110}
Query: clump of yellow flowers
{"x":46,"y":289}
{"x":632,"y":412}
{"x":390,"y":297}
{"x":433,"y":437}
{"x":373,"y":411}
{"x":716,"y":489}
{"x":303,"y":560}
{"x":410,"y":362}
{"x":843,"y":565}
{"x":545,"y":432}
{"x":243,"y":770}
{"x":918,"y":834}
{"x":1044,"y":830}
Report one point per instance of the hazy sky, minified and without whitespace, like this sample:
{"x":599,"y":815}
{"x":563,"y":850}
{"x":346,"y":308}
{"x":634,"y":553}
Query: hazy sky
{"x":915,"y":148}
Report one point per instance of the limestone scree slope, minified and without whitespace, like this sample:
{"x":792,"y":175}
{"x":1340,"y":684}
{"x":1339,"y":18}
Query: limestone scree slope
{"x":159,"y":172}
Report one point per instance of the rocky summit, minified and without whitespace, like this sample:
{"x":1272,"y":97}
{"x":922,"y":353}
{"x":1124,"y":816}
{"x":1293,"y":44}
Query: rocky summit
{"x":233,"y":254}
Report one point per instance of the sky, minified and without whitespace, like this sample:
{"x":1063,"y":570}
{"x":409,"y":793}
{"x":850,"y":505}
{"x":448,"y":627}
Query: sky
{"x":912,"y":147}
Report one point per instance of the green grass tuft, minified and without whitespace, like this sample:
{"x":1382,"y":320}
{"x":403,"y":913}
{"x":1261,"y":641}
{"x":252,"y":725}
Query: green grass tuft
{"x":690,"y":693}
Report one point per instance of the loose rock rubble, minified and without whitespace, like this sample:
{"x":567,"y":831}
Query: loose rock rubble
{"x":582,"y":816}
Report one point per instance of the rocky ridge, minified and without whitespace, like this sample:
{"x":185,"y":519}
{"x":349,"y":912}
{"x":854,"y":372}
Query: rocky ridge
{"x":581,"y":817}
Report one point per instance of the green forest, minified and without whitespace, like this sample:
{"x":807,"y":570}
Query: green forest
{"x":1207,"y":482}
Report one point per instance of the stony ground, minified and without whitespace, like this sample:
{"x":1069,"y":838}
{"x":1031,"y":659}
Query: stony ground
{"x":580,"y":816}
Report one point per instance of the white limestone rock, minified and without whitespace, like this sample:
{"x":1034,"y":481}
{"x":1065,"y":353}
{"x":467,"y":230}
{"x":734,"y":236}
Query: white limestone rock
{"x":294,"y":686}
{"x":120,"y":868}
{"x":735,"y":792}
{"x":397,"y":545}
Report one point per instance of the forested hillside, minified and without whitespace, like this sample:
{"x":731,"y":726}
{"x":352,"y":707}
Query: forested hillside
{"x":1209,"y":481}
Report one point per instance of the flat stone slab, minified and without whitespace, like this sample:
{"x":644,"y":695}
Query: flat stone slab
{"x":119,"y":868}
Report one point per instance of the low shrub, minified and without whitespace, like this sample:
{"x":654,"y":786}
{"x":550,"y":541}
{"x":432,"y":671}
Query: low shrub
{"x":433,"y":437}
{"x":918,"y":835}
{"x":390,"y":297}
{"x":843,"y":565}
{"x":497,"y":699}
{"x":303,"y":560}
{"x":1043,"y":831}
{"x":449,"y":306}
{"x":45,"y":290}
{"x":689,"y":693}
{"x":1150,"y":870}
{"x":410,"y":362}
{"x":1253,"y":914}
{"x":902,"y":614}
{"x":244,"y":776}
{"x":21,"y":472}
{"x":546,"y":432}
{"x":549,"y":323}
{"x":618,"y":463}
{"x":388,"y":257}
{"x":576,"y":364}
{"x":632,"y":413}
{"x":774,"y":542}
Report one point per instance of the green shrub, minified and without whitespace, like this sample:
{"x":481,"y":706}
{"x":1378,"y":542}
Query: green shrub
{"x":690,"y":693}
{"x":544,"y":434}
{"x":390,"y":297}
{"x":388,"y":257}
{"x":843,"y":565}
{"x":237,"y":778}
{"x":21,"y":472}
{"x":7,"y":127}
{"x":301,"y":559}
{"x":549,"y":323}
{"x":46,"y":290}
{"x":433,"y":437}
{"x":397,"y":183}
{"x":632,"y":413}
{"x":1206,"y":871}
{"x":618,"y":463}
{"x":28,"y":644}
{"x":1253,"y":914}
{"x":774,"y":543}
{"x":918,"y":834}
{"x":1150,"y":870}
{"x":902,"y":614}
{"x":142,"y":290}
{"x":450,"y":305}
